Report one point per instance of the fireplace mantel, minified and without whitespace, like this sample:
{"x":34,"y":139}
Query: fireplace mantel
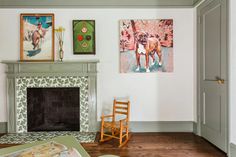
{"x":74,"y":68}
{"x":16,"y":70}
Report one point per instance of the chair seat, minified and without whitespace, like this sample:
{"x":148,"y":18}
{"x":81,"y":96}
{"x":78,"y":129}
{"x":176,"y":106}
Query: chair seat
{"x":116,"y":124}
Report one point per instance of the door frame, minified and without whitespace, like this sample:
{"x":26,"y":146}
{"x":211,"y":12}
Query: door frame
{"x":198,"y":124}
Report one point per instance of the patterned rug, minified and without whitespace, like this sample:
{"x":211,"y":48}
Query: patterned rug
{"x":21,"y":138}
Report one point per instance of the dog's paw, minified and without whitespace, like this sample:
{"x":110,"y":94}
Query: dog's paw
{"x":153,"y":63}
{"x":147,"y":70}
{"x":137,"y":69}
{"x":160,"y":63}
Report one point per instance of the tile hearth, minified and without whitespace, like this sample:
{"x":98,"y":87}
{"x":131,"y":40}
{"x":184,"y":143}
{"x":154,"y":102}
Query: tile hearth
{"x":22,"y":138}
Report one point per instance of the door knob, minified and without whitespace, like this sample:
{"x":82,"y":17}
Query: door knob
{"x":219,"y":80}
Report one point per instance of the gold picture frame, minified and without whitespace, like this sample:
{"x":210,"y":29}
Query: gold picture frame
{"x":36,"y":37}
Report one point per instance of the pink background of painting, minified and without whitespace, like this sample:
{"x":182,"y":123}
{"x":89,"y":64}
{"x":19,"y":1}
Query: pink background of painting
{"x":161,"y":28}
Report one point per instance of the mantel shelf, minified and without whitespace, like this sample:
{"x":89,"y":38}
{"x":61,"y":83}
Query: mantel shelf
{"x":50,"y":62}
{"x":56,"y":68}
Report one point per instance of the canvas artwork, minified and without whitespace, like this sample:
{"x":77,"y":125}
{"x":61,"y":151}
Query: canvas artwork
{"x":146,"y":46}
{"x":61,"y":146}
{"x":37,"y":37}
{"x":50,"y":149}
{"x":84,"y":36}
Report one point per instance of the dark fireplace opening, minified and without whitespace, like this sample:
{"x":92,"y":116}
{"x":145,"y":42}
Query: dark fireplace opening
{"x":53,"y":109}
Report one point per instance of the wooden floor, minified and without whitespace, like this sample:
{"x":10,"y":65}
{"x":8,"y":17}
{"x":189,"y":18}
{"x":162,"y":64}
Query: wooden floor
{"x":156,"y":145}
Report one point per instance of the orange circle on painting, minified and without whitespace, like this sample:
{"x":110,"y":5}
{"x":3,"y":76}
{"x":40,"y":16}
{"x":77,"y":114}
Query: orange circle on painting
{"x":80,"y":38}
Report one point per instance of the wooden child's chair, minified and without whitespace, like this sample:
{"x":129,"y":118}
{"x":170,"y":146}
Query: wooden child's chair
{"x":118,"y":128}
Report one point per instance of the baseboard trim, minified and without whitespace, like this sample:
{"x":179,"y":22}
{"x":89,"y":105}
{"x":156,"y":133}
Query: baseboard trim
{"x":3,"y":127}
{"x":232,"y":150}
{"x":162,"y":126}
{"x":145,"y":126}
{"x":195,"y":128}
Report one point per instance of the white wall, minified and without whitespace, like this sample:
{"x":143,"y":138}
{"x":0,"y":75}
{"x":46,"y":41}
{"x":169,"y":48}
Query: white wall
{"x":154,"y":96}
{"x":232,"y":70}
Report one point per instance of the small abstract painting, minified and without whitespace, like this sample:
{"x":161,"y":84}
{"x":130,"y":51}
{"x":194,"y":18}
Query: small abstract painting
{"x":146,"y":46}
{"x":37,"y":37}
{"x":84,"y":36}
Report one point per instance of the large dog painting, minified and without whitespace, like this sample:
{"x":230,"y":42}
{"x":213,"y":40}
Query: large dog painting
{"x":146,"y":45}
{"x":37,"y":37}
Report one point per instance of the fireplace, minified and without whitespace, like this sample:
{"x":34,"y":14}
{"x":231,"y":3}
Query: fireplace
{"x":24,"y":83}
{"x":25,"y":76}
{"x":53,"y":109}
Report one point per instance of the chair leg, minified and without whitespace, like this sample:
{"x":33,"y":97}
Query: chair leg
{"x":112,"y":132}
{"x":102,"y":131}
{"x":121,"y":133}
{"x":127,"y":133}
{"x":126,"y":141}
{"x":127,"y":137}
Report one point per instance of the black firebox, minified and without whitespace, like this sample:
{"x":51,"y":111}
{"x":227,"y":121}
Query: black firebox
{"x":53,"y":109}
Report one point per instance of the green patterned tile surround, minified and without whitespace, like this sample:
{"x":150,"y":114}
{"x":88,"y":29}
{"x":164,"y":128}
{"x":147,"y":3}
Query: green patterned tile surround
{"x":22,"y":83}
{"x":29,"y":137}
{"x":20,"y":75}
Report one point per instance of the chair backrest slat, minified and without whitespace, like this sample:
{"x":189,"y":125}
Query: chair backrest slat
{"x":121,"y":102}
{"x":120,"y":112}
{"x":120,"y":107}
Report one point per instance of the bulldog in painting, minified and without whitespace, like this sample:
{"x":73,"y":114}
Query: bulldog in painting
{"x":147,"y":46}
